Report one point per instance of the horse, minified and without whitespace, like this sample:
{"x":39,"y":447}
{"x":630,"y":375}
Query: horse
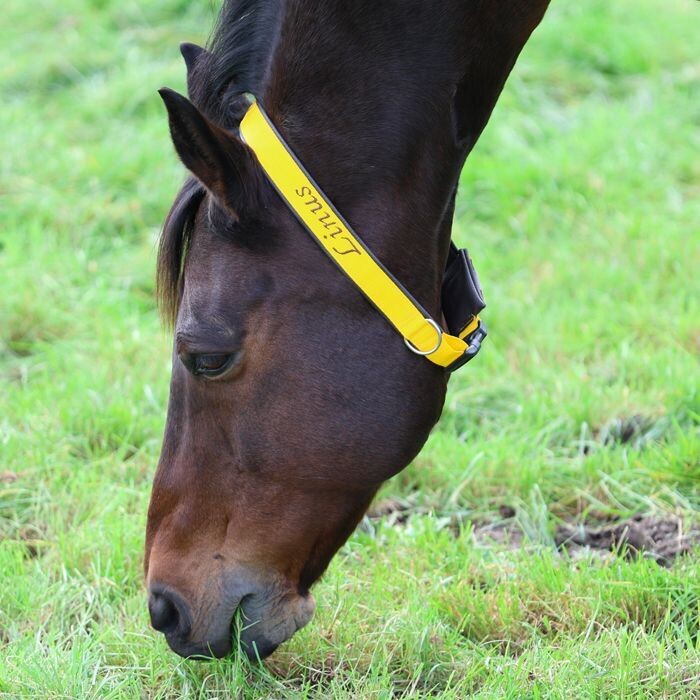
{"x":291,"y":399}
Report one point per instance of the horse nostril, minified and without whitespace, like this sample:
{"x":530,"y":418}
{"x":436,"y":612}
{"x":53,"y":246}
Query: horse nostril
{"x":164,"y":613}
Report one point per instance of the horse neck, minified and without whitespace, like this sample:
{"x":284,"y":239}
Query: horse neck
{"x":383,"y":101}
{"x":366,"y":105}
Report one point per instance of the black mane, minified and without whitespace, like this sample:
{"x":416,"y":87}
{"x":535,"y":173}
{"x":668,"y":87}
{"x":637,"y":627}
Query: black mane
{"x":238,"y":57}
{"x":172,"y":248}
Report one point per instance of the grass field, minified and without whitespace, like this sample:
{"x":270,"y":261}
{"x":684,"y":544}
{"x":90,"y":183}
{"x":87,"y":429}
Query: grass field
{"x":581,"y":205}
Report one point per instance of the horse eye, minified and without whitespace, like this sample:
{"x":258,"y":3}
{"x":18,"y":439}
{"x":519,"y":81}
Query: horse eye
{"x":209,"y":365}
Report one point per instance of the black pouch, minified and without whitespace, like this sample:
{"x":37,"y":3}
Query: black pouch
{"x":462,"y":298}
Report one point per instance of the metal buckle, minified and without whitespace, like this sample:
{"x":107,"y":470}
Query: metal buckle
{"x":473,"y":340}
{"x":414,"y":349}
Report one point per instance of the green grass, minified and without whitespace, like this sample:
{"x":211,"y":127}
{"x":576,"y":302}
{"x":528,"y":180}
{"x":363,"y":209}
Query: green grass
{"x":581,"y":206}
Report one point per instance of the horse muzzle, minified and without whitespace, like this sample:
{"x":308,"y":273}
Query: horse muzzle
{"x":256,"y":622}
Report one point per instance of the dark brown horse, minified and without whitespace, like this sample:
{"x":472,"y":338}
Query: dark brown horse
{"x":291,"y":398}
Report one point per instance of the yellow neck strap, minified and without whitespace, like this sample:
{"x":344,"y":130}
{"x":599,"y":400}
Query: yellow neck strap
{"x":422,"y":334}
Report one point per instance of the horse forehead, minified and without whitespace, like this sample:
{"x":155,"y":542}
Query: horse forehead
{"x":221,"y":292}
{"x":208,"y":293}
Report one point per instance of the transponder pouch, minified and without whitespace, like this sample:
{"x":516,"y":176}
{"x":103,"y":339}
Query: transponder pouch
{"x":462,"y":299}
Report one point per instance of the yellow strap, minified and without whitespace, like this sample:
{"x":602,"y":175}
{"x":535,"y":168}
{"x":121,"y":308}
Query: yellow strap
{"x":342,"y":244}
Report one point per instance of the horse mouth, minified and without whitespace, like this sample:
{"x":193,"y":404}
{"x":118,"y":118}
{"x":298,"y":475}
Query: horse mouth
{"x":200,"y":650}
{"x":256,"y":649}
{"x":250,"y":632}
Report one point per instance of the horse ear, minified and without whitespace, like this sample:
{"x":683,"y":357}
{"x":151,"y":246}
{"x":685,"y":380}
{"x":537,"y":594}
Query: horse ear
{"x":193,"y":56}
{"x":191,"y":53}
{"x":221,"y":161}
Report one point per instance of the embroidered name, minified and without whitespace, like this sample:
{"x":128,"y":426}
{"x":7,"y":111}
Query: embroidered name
{"x":334,"y":229}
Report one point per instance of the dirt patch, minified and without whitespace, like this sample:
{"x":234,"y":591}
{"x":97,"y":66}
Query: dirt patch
{"x":396,"y":510}
{"x":32,"y":539}
{"x":662,"y":539}
{"x":636,"y":430}
{"x":499,"y":534}
{"x":659,"y":538}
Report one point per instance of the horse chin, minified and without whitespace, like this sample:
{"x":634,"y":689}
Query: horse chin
{"x":266,"y":623}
